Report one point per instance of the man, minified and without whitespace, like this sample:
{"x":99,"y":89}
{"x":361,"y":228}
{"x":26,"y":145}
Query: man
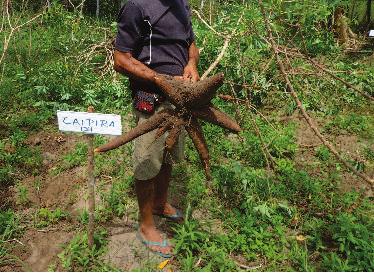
{"x":154,"y":36}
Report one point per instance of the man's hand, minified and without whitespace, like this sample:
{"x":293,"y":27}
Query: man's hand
{"x":190,"y":73}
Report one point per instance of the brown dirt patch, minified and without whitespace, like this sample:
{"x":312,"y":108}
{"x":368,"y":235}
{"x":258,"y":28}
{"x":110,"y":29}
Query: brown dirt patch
{"x":6,"y":198}
{"x":55,"y":143}
{"x":66,"y":190}
{"x":55,"y":191}
{"x":48,"y":190}
{"x":44,"y":248}
{"x":349,"y":145}
{"x":127,"y":253}
{"x":39,"y":249}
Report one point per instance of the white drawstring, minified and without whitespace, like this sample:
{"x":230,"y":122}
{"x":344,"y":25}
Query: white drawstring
{"x":150,"y":43}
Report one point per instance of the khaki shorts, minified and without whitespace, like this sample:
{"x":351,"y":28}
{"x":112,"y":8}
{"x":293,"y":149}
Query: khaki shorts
{"x":150,"y":154}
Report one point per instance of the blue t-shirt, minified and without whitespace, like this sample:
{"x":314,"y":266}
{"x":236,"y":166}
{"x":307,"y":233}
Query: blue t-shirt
{"x":158,"y":33}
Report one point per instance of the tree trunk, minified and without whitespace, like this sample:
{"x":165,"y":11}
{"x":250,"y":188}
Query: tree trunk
{"x":352,"y":10}
{"x":97,"y":8}
{"x":368,"y":12}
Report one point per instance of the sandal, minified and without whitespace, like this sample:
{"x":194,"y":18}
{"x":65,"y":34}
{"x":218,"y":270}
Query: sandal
{"x":147,"y":243}
{"x":177,"y":217}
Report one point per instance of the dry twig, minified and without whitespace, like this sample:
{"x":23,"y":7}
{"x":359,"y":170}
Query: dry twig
{"x":206,"y":23}
{"x":106,"y":47}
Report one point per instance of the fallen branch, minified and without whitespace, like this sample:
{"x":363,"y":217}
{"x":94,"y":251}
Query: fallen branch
{"x":230,"y":98}
{"x":106,"y":48}
{"x":339,"y":79}
{"x":308,"y":119}
{"x":246,"y":267}
{"x":241,"y":101}
{"x":309,"y":146}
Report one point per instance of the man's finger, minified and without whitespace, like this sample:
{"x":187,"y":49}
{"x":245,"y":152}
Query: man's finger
{"x":195,"y":78}
{"x":187,"y":76}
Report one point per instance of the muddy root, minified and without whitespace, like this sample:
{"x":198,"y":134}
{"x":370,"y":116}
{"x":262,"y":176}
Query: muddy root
{"x":173,"y":137}
{"x":143,"y":128}
{"x":215,"y":116}
{"x":163,"y":128}
{"x":205,"y":90}
{"x":187,"y":94}
{"x":171,"y":88}
{"x":195,"y":132}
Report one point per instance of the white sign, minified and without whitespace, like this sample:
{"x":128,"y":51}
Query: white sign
{"x":371,"y":33}
{"x":89,"y":123}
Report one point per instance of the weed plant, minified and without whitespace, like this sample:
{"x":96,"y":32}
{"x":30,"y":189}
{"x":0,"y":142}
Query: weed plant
{"x":9,"y":229}
{"x":78,"y":256}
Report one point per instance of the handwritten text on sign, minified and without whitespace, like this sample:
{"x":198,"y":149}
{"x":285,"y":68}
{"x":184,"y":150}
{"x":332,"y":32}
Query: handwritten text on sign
{"x":89,"y":123}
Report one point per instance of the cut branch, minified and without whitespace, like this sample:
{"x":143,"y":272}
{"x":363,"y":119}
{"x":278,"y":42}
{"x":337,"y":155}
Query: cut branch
{"x":219,"y":58}
{"x":295,"y":52}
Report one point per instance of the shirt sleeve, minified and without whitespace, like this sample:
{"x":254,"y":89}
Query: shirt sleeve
{"x":190,"y":29}
{"x":192,"y":35}
{"x":130,"y":26}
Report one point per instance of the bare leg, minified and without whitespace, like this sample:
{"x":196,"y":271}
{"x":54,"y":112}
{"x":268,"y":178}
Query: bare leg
{"x":162,"y":182}
{"x":145,"y":193}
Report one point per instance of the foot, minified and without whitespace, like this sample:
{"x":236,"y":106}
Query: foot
{"x":167,"y":210}
{"x":170,"y":213}
{"x":154,"y":240}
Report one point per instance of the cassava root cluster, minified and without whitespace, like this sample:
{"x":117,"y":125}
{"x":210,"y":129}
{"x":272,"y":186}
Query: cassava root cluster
{"x":192,"y":101}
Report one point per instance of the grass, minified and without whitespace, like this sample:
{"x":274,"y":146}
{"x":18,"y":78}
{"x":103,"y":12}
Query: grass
{"x":46,"y":217}
{"x":78,"y":256}
{"x":264,"y":228}
{"x":9,"y":229}
{"x":352,"y":123}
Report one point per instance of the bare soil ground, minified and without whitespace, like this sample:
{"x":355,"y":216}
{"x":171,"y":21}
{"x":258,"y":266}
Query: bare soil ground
{"x":126,"y":252}
{"x":5,"y":197}
{"x":38,"y":248}
{"x":43,"y":248}
{"x":349,"y":145}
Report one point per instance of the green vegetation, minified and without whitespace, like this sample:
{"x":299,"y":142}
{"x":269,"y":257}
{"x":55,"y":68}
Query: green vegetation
{"x":77,"y":256}
{"x":46,"y":217}
{"x":8,"y":230}
{"x":277,"y":202}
